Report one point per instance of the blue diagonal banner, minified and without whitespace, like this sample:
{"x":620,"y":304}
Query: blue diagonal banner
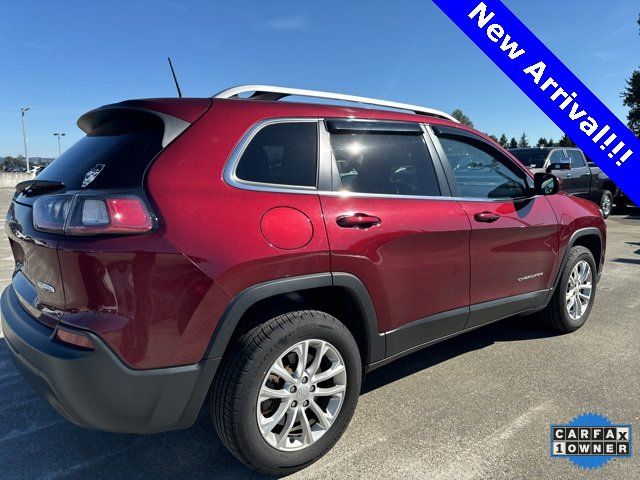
{"x":552,"y":86}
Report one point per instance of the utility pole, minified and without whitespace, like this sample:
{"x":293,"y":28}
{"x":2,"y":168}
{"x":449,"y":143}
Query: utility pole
{"x":24,"y":135}
{"x":59,"y":135}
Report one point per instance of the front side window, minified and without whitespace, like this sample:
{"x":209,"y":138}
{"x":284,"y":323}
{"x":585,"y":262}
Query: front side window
{"x":387,"y":163}
{"x":481,"y":172}
{"x":281,"y":154}
{"x":557,"y":156}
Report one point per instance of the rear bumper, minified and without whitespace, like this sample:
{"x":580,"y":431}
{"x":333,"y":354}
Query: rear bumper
{"x":94,"y":388}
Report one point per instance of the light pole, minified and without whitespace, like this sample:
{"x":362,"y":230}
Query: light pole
{"x":59,"y":135}
{"x":24,"y":135}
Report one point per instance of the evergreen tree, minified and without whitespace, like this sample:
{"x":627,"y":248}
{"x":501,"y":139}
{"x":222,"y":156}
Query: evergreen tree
{"x":461,"y":117}
{"x":631,"y":99}
{"x":504,"y":141}
{"x":524,"y":141}
{"x":513,"y":143}
{"x":565,"y":141}
{"x":543,"y":142}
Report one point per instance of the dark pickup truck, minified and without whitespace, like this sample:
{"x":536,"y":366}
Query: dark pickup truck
{"x":579,"y":176}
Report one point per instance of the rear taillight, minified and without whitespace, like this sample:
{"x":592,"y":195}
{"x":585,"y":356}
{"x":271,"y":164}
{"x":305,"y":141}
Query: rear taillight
{"x":93,"y":213}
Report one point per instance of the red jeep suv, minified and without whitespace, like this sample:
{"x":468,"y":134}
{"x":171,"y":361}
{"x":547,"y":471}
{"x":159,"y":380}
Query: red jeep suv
{"x":271,"y":253}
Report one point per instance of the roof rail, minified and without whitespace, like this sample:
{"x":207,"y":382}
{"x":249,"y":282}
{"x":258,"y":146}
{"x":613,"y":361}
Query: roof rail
{"x":274,"y":93}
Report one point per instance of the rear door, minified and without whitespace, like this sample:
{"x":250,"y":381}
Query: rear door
{"x":580,"y":173}
{"x":391,"y":222}
{"x":513,"y":234}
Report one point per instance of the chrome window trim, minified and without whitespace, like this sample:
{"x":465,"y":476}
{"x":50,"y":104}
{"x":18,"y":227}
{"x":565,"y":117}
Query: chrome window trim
{"x":231,"y":179}
{"x":347,"y":194}
{"x":229,"y":173}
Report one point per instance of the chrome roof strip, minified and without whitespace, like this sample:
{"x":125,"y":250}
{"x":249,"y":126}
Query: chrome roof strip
{"x":274,"y":93}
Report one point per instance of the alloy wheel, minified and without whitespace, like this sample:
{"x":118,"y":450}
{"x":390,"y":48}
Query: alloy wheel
{"x":607,"y":205}
{"x":301,"y":395}
{"x":579,"y":288}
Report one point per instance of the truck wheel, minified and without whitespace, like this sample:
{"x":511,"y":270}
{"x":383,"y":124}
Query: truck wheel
{"x":571,"y":303}
{"x":287,"y":392}
{"x":606,"y":203}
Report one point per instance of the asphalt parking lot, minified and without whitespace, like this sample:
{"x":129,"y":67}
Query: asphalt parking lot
{"x":475,"y":407}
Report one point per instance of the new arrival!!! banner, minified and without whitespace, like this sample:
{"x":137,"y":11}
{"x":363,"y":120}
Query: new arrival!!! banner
{"x":552,"y":86}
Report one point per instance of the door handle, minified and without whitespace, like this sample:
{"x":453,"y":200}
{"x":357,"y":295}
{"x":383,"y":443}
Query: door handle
{"x":486,"y":217}
{"x":358,"y":220}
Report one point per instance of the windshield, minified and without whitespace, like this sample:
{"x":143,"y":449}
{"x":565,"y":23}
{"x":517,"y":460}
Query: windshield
{"x":531,"y":157}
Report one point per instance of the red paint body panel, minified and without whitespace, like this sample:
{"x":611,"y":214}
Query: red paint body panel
{"x":286,"y":228}
{"x":142,"y":296}
{"x":414,"y":264}
{"x":573,"y":214}
{"x":157,"y":299}
{"x":226,"y":242}
{"x":522,"y":242}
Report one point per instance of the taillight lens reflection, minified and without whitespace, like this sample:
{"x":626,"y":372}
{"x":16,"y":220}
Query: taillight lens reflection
{"x":50,"y":213}
{"x":92,"y":214}
{"x":76,"y":339}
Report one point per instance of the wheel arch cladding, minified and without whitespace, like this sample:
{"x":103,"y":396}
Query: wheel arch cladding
{"x":593,"y":243}
{"x":339,"y":294}
{"x":590,"y":238}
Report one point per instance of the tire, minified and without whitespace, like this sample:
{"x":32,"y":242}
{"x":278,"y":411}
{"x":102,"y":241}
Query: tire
{"x":606,"y":203}
{"x":235,"y":409}
{"x":561,"y":314}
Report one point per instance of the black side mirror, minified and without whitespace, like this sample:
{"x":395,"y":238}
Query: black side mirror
{"x":562,"y":164}
{"x":545,"y":184}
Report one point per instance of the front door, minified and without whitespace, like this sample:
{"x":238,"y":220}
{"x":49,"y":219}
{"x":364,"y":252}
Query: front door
{"x":389,"y":225}
{"x":567,"y":178}
{"x":514,"y":240}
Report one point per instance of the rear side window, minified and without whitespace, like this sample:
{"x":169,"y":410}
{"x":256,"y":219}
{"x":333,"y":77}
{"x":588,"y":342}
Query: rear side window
{"x":281,"y":154}
{"x":387,"y":163}
{"x":577,"y":160}
{"x":120,"y":150}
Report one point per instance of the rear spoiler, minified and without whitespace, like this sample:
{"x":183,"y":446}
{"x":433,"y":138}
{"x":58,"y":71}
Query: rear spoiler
{"x":91,"y":121}
{"x":135,"y":114}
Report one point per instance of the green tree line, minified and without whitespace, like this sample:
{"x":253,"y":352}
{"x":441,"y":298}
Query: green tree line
{"x":524,"y":141}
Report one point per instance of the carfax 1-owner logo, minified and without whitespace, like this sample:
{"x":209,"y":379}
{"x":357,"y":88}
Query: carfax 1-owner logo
{"x":591,"y":441}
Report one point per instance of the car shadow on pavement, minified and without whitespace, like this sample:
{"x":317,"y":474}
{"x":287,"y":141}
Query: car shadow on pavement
{"x":630,"y":214}
{"x":508,"y":330}
{"x":36,"y":442}
{"x":631,"y":261}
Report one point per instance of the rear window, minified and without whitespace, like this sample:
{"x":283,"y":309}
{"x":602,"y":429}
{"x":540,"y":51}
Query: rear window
{"x":116,"y":154}
{"x":281,"y":154}
{"x":577,"y":160}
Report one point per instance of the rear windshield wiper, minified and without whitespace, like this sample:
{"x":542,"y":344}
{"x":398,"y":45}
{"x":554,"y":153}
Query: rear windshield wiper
{"x":30,"y":187}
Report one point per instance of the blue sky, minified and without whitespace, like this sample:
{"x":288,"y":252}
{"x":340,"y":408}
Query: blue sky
{"x":64,"y":58}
